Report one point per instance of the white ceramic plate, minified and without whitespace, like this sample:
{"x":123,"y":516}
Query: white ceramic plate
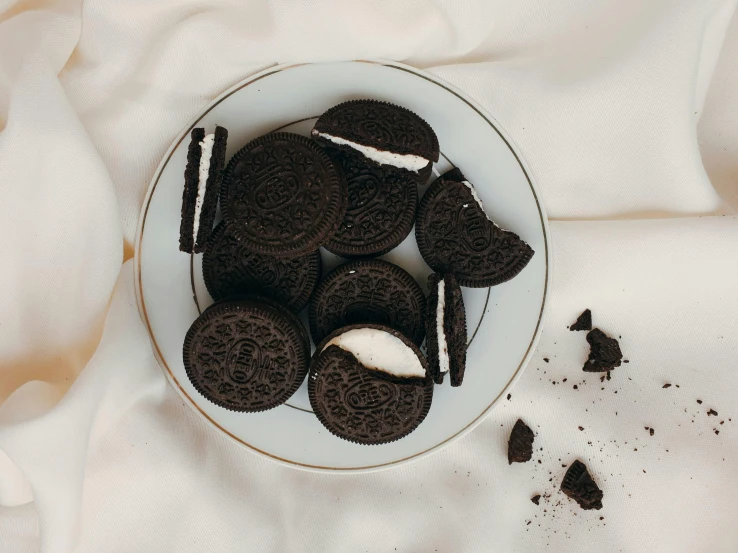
{"x":504,"y":321}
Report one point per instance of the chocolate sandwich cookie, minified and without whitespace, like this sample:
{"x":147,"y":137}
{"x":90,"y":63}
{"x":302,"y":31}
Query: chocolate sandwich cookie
{"x":368,"y":384}
{"x":372,"y":292}
{"x":455,"y":234}
{"x":203,"y":175}
{"x":579,"y":486}
{"x":246,"y":355}
{"x":381,"y":207}
{"x":445,"y":329}
{"x":282,"y":196}
{"x":384,"y":134}
{"x":229,"y":268}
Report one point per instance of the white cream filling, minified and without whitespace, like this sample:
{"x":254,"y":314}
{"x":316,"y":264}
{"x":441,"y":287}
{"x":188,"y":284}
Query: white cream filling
{"x":470,"y":186}
{"x":477,"y":199}
{"x":403,"y":161}
{"x":443,"y":361}
{"x":380,"y":351}
{"x":206,"y":149}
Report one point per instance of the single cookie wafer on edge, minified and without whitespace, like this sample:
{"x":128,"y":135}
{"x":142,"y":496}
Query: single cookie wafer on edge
{"x":203,"y":176}
{"x":368,"y":384}
{"x":455,"y":234}
{"x":445,"y":329}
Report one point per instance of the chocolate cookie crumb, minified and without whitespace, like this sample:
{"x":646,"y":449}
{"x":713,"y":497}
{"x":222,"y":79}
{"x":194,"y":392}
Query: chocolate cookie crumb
{"x":583,"y":322}
{"x":536,"y":498}
{"x":520,"y":445}
{"x":604,"y":354}
{"x":579,"y":486}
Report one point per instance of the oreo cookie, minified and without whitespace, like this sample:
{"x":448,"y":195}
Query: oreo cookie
{"x":229,"y":268}
{"x":203,"y":175}
{"x":604,"y":352}
{"x":454,"y":234}
{"x":445,"y":329}
{"x":368,"y":292}
{"x":579,"y":486}
{"x":381,"y":207}
{"x":382,"y":133}
{"x":246,"y":355}
{"x":282,"y":196}
{"x":368,"y":384}
{"x":520,"y":444}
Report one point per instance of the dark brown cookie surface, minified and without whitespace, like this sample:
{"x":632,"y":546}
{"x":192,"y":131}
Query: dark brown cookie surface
{"x":366,"y":405}
{"x":455,"y":235}
{"x":604,"y":353}
{"x":579,"y":486}
{"x":245,"y":355}
{"x":198,"y":213}
{"x":381,"y":207}
{"x":380,"y":126}
{"x":446,"y":344}
{"x":282,"y":195}
{"x":229,"y":268}
{"x":372,"y":292}
{"x":583,"y":322}
{"x":520,"y":444}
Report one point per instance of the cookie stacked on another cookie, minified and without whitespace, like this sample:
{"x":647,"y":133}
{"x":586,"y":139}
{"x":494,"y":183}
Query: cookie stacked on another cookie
{"x":385,"y":152}
{"x":369,"y":384}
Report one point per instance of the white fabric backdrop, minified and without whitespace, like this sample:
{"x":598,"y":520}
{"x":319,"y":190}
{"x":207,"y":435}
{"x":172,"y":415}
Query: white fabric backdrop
{"x":98,"y":453}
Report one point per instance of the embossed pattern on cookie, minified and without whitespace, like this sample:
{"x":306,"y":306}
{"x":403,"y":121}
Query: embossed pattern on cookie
{"x":385,"y":134}
{"x":282,"y":195}
{"x":454,"y":234}
{"x":246,"y":356}
{"x":367,"y":405}
{"x":381,"y":207}
{"x":229,"y":268}
{"x":368,"y":291}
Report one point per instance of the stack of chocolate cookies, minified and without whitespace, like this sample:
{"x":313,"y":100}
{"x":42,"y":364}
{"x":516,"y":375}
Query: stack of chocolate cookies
{"x":352,"y":189}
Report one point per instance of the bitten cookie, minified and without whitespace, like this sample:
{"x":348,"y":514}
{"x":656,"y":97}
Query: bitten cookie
{"x":455,"y":234}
